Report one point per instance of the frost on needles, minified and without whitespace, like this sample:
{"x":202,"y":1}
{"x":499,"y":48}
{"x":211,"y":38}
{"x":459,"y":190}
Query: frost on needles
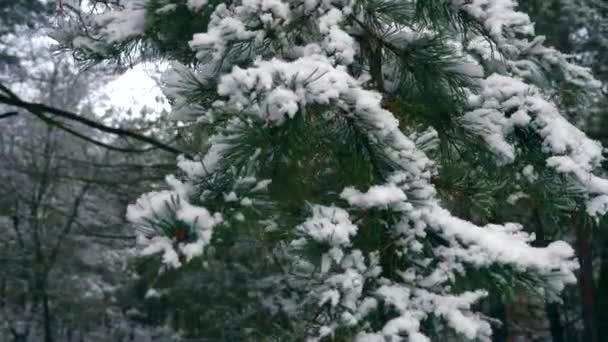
{"x":331,"y":128}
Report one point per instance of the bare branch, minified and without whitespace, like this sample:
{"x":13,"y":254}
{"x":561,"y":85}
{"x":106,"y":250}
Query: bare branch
{"x":8,"y":115}
{"x":40,"y":109}
{"x":86,"y":138}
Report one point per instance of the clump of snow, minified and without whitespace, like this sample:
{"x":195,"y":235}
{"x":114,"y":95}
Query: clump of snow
{"x":121,"y":25}
{"x":152,"y":293}
{"x":497,"y":95}
{"x":514,"y":198}
{"x":162,"y":205}
{"x":520,"y":118}
{"x":166,"y":9}
{"x":329,"y":225}
{"x":280,"y":103}
{"x":148,"y":205}
{"x":221,"y":31}
{"x":529,"y":173}
{"x":337,"y":41}
{"x":376,"y":196}
{"x":196,"y":5}
{"x":160,"y":244}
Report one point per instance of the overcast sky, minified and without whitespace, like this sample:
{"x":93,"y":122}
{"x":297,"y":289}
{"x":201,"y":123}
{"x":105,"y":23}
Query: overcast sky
{"x":134,"y":89}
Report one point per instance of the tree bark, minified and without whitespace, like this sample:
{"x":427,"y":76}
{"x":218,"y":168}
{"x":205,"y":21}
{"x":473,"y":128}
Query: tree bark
{"x":586,"y":283}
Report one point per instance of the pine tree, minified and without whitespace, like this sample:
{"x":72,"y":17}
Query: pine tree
{"x":352,"y":161}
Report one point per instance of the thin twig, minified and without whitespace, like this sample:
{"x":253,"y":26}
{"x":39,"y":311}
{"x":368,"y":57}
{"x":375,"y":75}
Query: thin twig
{"x":8,"y":115}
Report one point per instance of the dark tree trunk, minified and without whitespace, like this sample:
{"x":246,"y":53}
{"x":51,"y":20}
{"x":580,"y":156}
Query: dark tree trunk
{"x":499,"y":311}
{"x":2,"y":293}
{"x":555,"y":322}
{"x":585,"y":282}
{"x":68,"y":333}
{"x":602,"y":288}
{"x":41,"y":297}
{"x":552,"y":309}
{"x":48,"y":331}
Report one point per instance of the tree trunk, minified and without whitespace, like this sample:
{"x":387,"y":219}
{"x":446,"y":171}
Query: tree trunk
{"x":602,"y":288}
{"x":555,"y":322}
{"x":2,"y":293}
{"x":498,"y":310}
{"x":48,"y":331}
{"x":586,"y":283}
{"x":552,"y":309}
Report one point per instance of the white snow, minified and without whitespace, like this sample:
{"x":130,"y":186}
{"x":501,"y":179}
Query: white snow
{"x":329,"y":225}
{"x":163,"y":204}
{"x":529,"y":173}
{"x":119,"y":26}
{"x":376,"y":196}
{"x":196,"y":5}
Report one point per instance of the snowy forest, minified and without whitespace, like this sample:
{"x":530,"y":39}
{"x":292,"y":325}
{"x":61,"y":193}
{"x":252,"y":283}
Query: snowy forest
{"x":303,"y":170}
